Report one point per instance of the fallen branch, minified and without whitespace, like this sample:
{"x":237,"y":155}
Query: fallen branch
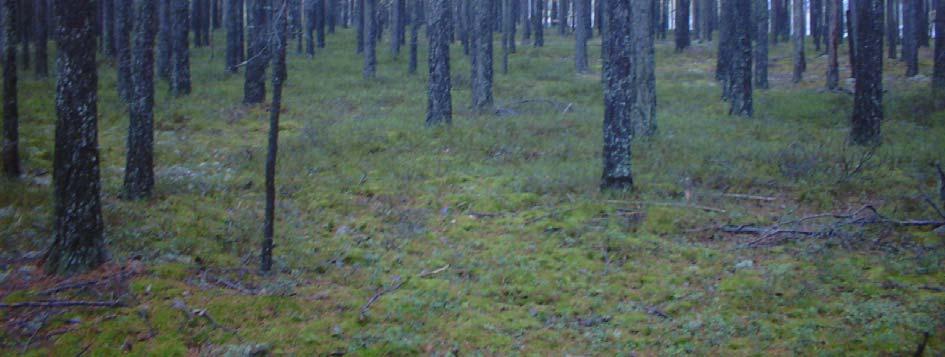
{"x":61,"y":303}
{"x":377,"y":296}
{"x":671,"y":204}
{"x":748,"y":197}
{"x":425,"y":273}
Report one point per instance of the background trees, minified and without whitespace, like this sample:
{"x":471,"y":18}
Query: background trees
{"x":254,"y":88}
{"x":139,"y":161}
{"x":11,"y":130}
{"x":180,"y":49}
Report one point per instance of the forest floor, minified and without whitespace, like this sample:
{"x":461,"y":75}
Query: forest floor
{"x":490,"y":237}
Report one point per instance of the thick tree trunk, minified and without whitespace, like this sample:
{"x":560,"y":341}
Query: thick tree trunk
{"x":696,"y":32}
{"x":892,"y":27}
{"x":938,"y":72}
{"x":180,"y":49}
{"x":563,"y":28}
{"x":482,"y":69}
{"x":234,"y":34}
{"x":760,"y":10}
{"x":868,"y":92}
{"x":41,"y":38}
{"x":538,"y":23}
{"x":682,"y":25}
{"x":79,"y":244}
{"x":370,"y":39}
{"x":254,"y":87}
{"x":139,"y":161}
{"x":777,"y":19}
{"x":643,"y":66}
{"x":910,"y":37}
{"x":279,"y":43}
{"x":800,"y":61}
{"x":165,"y":36}
{"x":415,"y":24}
{"x":440,"y":101}
{"x":834,"y":9}
{"x":11,"y":126}
{"x":740,"y":77}
{"x":581,"y":12}
{"x":123,"y":13}
{"x":618,"y":87}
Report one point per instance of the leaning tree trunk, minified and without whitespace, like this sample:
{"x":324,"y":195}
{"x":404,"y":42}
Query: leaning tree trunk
{"x":910,"y":37}
{"x":11,"y":126}
{"x":760,"y":10}
{"x":482,"y":70}
{"x":165,"y":36}
{"x":234,"y":34}
{"x":538,"y":23}
{"x":79,"y":244}
{"x":581,"y":11}
{"x":254,"y":86}
{"x":618,"y":86}
{"x":800,"y":62}
{"x":642,"y":63}
{"x":370,"y":39}
{"x":41,"y":39}
{"x":440,"y":101}
{"x":868,"y":91}
{"x":834,"y":9}
{"x":123,"y":13}
{"x":740,"y":77}
{"x":682,"y":25}
{"x":279,"y":44}
{"x":139,"y":162}
{"x":938,"y":73}
{"x":892,"y":27}
{"x":180,"y":49}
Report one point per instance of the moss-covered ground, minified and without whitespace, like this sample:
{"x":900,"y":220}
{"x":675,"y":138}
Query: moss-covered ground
{"x":493,"y":229}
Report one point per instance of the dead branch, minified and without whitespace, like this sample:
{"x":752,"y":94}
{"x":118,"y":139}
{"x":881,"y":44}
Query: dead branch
{"x":228,"y":284}
{"x":377,"y":296}
{"x":425,"y":273}
{"x":62,"y":303}
{"x":671,"y":204}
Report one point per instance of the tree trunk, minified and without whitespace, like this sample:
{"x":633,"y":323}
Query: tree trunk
{"x":507,"y":22}
{"x":279,"y":44}
{"x":41,"y":38}
{"x":359,"y":18}
{"x":696,"y":32}
{"x":910,"y":37}
{"x":923,"y":22}
{"x":538,"y":25}
{"x":800,"y":62}
{"x":581,"y":12}
{"x":868,"y":92}
{"x":618,"y":86}
{"x":563,"y":28}
{"x":415,"y":24}
{"x":396,"y":28}
{"x":79,"y":245}
{"x":723,"y":64}
{"x":180,"y":49}
{"x":11,"y":126}
{"x":816,"y":22}
{"x":526,"y":19}
{"x":760,"y":10}
{"x":370,"y":39}
{"x":139,"y":161}
{"x":332,"y":17}
{"x":892,"y":27}
{"x":165,"y":35}
{"x":234,"y":34}
{"x":834,"y":9}
{"x":440,"y":101}
{"x":777,"y":19}
{"x":643,"y":66}
{"x":123,"y":13}
{"x":310,"y":24}
{"x":320,"y":22}
{"x":741,"y":58}
{"x":682,"y":25}
{"x":254,"y":87}
{"x":108,"y":26}
{"x":851,"y":35}
{"x":482,"y":70}
{"x":938,"y":73}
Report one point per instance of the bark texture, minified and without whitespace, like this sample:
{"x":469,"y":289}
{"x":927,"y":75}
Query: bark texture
{"x":41,"y":38}
{"x":910,"y":36}
{"x":415,"y":24}
{"x":682,"y":25}
{"x":482,"y":69}
{"x":538,"y":23}
{"x":180,"y":49}
{"x":254,"y":87}
{"x":868,"y":92}
{"x":139,"y":161}
{"x":11,"y":126}
{"x":760,"y":10}
{"x":740,"y":77}
{"x":619,"y":90}
{"x":370,"y":39}
{"x":233,"y":20}
{"x":834,"y":10}
{"x":279,"y":42}
{"x":165,"y":40}
{"x":79,"y":244}
{"x":582,"y":13}
{"x":123,"y":13}
{"x":938,"y":72}
{"x":440,"y":101}
{"x":643,"y":65}
{"x":800,"y":62}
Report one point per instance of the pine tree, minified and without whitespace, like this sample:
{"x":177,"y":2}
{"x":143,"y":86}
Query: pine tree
{"x":868,"y":91}
{"x":279,"y":44}
{"x":254,"y":86}
{"x":618,"y":88}
{"x":180,"y":49}
{"x":440,"y":101}
{"x":139,"y":161}
{"x":11,"y":126}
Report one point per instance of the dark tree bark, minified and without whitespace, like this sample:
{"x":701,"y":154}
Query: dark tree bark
{"x":910,"y":37}
{"x":139,"y":161}
{"x":279,"y":45}
{"x":599,"y":6}
{"x":25,"y":30}
{"x":760,"y":10}
{"x":800,"y":61}
{"x":923,"y":22}
{"x":108,"y":26}
{"x":320,"y":22}
{"x":892,"y":27}
{"x":482,"y":70}
{"x":79,"y":244}
{"x":618,"y":87}
{"x":868,"y":91}
{"x":180,"y":49}
{"x":332,"y":17}
{"x":165,"y":35}
{"x":234,"y":34}
{"x":526,"y":19}
{"x":515,"y":9}
{"x":396,"y":28}
{"x":682,"y":25}
{"x":538,"y":24}
{"x":740,"y":77}
{"x":370,"y":39}
{"x":851,"y":36}
{"x":310,"y":23}
{"x":816,"y":22}
{"x":778,"y":19}
{"x":123,"y":13}
{"x":41,"y":38}
{"x":938,"y":72}
{"x":440,"y":101}
{"x":254,"y":87}
{"x":359,"y":17}
{"x":726,"y":44}
{"x":507,"y":22}
{"x":582,"y":13}
{"x":643,"y":66}
{"x":415,"y":24}
{"x":563,"y":28}
{"x":834,"y":9}
{"x":11,"y":126}
{"x":295,"y":24}
{"x":215,"y":10}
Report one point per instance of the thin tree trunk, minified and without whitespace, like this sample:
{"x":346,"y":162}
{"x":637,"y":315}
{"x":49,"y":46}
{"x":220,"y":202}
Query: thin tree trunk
{"x":359,"y":17}
{"x":682,"y":25}
{"x":415,"y":24}
{"x":310,"y":24}
{"x":139,"y":161}
{"x":507,"y":22}
{"x":11,"y":126}
{"x":165,"y":35}
{"x":440,"y":101}
{"x":180,"y":47}
{"x":643,"y":66}
{"x":910,"y":37}
{"x":254,"y":87}
{"x":563,"y":18}
{"x":582,"y":11}
{"x":892,"y":27}
{"x":618,"y":125}
{"x":816,"y":22}
{"x":482,"y":70}
{"x":800,"y":62}
{"x":868,"y":91}
{"x":370,"y":39}
{"x":834,"y":9}
{"x":538,"y":26}
{"x":760,"y":10}
{"x":234,"y":34}
{"x":279,"y":44}
{"x":938,"y":73}
{"x":79,"y":245}
{"x":741,"y":59}
{"x":320,"y":22}
{"x":123,"y":13}
{"x":396,"y":28}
